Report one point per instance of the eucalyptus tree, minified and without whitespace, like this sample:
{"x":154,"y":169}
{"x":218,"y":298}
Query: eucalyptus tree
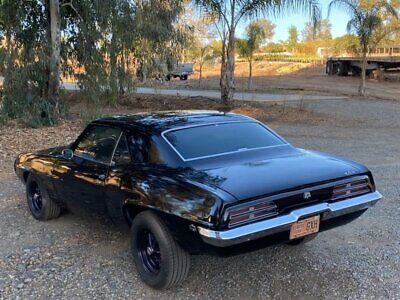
{"x":160,"y":36}
{"x":365,"y":20}
{"x":230,"y":13}
{"x":100,"y":40}
{"x":27,"y":66}
{"x":257,"y":32}
{"x":321,"y":30}
{"x":202,"y":35}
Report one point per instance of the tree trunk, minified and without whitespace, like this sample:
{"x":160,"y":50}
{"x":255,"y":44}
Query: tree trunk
{"x":200,"y":73}
{"x":55,"y":34}
{"x":122,"y":80}
{"x":361,"y":90}
{"x":250,"y":83}
{"x":222,"y":79}
{"x":113,"y":70}
{"x":229,"y":90}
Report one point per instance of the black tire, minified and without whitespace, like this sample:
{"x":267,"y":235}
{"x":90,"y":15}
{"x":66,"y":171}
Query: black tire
{"x":42,"y":207}
{"x":183,"y":77}
{"x":161,"y":262}
{"x":343,"y":70}
{"x":302,"y":241}
{"x":329,"y":68}
{"x":356,"y":71}
{"x":168,"y":77}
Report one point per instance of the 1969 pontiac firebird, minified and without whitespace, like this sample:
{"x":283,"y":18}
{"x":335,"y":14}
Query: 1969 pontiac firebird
{"x":190,"y":182}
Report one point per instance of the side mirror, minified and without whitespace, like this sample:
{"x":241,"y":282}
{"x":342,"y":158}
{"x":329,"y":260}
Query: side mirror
{"x":67,"y":154}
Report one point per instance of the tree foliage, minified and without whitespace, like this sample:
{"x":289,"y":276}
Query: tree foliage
{"x":200,"y":48}
{"x":230,"y":13}
{"x":257,"y":32}
{"x":321,"y":30}
{"x":103,"y":44}
{"x":346,"y":44}
{"x":366,"y":20}
{"x":293,"y":38}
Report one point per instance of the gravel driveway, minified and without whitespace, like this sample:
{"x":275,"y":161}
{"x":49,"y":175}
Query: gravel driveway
{"x":75,"y":258}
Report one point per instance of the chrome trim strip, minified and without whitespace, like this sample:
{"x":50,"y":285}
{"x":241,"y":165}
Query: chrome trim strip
{"x":283,"y":223}
{"x":284,"y":142}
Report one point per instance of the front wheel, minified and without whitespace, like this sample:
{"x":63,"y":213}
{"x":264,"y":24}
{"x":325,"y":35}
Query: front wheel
{"x":42,"y":207}
{"x":160,"y":260}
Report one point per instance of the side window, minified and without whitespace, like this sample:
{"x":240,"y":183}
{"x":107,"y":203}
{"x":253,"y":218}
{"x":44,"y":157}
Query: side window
{"x":139,"y":146}
{"x":121,"y":154}
{"x":98,"y":143}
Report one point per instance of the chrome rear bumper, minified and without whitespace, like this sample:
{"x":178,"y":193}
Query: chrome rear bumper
{"x":283,"y":222}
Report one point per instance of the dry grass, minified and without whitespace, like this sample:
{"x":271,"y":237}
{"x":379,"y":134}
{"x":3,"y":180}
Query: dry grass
{"x":291,"y":78}
{"x":265,"y":112}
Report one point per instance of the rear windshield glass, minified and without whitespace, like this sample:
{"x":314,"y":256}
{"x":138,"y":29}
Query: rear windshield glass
{"x":196,"y":142}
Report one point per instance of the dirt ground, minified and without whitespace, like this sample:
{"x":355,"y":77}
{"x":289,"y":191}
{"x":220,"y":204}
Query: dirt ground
{"x":76,"y":258}
{"x":292,"y":78}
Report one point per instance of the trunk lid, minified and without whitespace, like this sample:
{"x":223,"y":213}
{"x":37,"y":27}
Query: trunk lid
{"x":279,"y":171}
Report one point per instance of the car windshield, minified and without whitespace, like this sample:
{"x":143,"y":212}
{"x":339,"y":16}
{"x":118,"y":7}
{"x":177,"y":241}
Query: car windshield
{"x":220,"y":138}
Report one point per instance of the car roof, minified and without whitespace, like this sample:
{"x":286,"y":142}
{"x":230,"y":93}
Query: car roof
{"x":157,"y":122}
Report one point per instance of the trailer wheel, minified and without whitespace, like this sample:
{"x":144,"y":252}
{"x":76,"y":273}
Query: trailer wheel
{"x":329,"y":68}
{"x":335,"y":68}
{"x":342,"y":69}
{"x":356,"y":71}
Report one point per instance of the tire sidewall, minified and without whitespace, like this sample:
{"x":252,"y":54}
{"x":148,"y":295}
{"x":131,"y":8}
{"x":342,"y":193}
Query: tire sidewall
{"x":42,"y":214}
{"x":153,"y":225}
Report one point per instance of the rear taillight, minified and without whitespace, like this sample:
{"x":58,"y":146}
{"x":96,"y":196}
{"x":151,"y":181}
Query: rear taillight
{"x":247,"y":214}
{"x":351,"y":189}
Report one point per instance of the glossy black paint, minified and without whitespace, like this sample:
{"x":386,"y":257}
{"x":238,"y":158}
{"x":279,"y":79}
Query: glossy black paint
{"x":183,"y":192}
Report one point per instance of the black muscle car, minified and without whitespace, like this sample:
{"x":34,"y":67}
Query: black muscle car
{"x":189,"y":182}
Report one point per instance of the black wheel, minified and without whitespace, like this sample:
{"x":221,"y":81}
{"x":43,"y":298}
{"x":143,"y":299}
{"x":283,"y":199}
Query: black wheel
{"x":168,"y":77}
{"x":342,"y":71}
{"x":329,"y":68}
{"x":302,"y":240}
{"x":183,"y":77}
{"x":160,"y":261}
{"x":356,"y":71}
{"x":41,"y":206}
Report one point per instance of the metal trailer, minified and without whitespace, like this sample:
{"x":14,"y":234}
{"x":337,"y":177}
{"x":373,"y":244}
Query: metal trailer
{"x":342,"y":66}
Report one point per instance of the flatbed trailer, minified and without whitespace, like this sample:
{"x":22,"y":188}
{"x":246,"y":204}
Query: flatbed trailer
{"x":342,"y":66}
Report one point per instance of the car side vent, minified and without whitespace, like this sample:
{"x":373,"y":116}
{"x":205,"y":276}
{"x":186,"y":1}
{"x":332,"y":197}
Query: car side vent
{"x":250,"y":213}
{"x":351,"y":189}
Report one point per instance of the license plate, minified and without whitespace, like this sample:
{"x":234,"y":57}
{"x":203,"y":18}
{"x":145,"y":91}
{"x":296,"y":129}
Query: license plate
{"x":304,"y":227}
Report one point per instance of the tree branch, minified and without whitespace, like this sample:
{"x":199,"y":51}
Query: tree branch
{"x":71,"y":5}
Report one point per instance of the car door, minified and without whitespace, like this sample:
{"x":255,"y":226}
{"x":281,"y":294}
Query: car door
{"x":81,"y":179}
{"x":129,"y":161}
{"x":120,"y":178}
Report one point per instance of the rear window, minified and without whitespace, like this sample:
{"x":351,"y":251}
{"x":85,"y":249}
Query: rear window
{"x":215,"y":139}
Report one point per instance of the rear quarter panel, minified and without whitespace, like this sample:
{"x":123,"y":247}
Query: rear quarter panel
{"x":160,"y":189}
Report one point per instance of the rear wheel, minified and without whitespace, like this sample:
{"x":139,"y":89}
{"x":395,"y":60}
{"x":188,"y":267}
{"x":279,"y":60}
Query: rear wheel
{"x":342,"y":71}
{"x":329,"y":66}
{"x":159,"y":259}
{"x":183,"y":77}
{"x":41,"y":206}
{"x":356,"y":71}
